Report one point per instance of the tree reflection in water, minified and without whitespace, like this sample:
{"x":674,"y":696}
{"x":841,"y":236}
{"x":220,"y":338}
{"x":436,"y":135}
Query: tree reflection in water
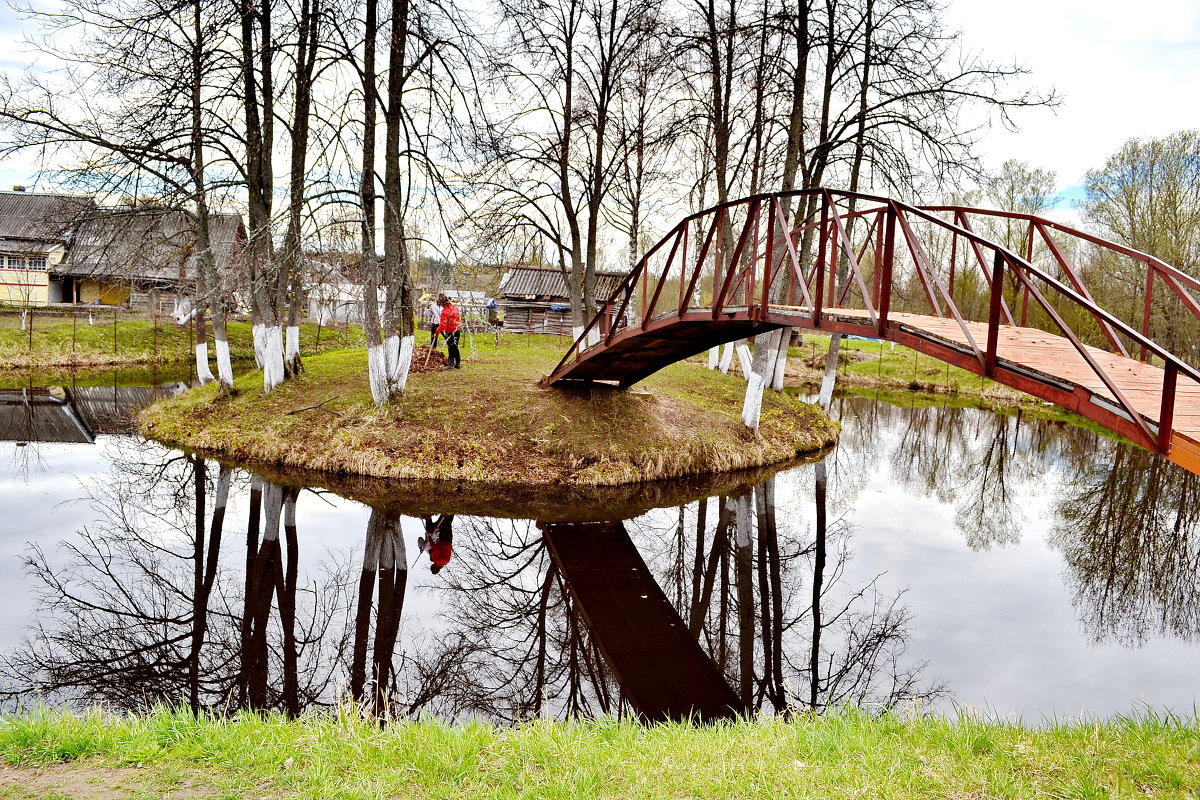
{"x":138,"y":608}
{"x":1130,"y":534}
{"x":158,"y":600}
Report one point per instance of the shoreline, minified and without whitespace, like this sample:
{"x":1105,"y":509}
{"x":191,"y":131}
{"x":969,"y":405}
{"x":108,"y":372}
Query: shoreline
{"x":345,"y":753}
{"x":491,"y":424}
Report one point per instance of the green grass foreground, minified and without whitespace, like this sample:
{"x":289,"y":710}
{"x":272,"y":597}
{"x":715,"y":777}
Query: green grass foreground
{"x":841,"y":755}
{"x":492,"y":422}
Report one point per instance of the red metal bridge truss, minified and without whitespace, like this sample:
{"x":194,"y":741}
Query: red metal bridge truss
{"x":933,"y":278}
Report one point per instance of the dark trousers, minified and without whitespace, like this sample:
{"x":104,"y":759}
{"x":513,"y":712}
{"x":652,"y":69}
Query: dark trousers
{"x":452,"y":348}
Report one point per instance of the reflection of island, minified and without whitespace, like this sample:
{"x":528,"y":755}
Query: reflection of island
{"x":736,"y":602}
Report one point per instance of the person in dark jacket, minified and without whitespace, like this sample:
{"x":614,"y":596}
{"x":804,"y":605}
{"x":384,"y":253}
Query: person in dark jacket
{"x":448,"y":327}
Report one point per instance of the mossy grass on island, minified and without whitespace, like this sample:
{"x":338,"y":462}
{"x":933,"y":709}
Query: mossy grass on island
{"x":57,"y":341}
{"x":843,"y":754}
{"x":490,"y":421}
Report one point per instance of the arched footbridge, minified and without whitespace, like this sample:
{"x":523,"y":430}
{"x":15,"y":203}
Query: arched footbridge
{"x":1010,"y":296}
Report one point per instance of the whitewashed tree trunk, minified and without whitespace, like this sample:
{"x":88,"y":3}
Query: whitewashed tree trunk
{"x":745,"y":360}
{"x":726,"y":357}
{"x":785,"y":336}
{"x":593,"y":336}
{"x":377,"y":374}
{"x":273,"y":373}
{"x":761,"y":370}
{"x":398,"y":351}
{"x":291,"y":353}
{"x":714,"y":357}
{"x":203,"y":372}
{"x":224,"y":364}
{"x":831,"y":362}
{"x":260,"y":343}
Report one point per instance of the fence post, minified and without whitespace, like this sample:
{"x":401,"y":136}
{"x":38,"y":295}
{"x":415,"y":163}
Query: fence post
{"x":993,"y":340}
{"x":1166,"y":414}
{"x":885,"y":282}
{"x":1147,"y":310}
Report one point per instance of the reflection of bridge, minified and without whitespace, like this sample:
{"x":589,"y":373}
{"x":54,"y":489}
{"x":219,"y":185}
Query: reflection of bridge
{"x":924,"y":278}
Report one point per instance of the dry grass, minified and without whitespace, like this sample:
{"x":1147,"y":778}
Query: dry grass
{"x":491,"y":422}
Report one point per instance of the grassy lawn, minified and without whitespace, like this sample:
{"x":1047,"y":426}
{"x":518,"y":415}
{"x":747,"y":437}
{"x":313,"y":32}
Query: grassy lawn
{"x":137,"y":339}
{"x":490,"y":421}
{"x":847,"y":754}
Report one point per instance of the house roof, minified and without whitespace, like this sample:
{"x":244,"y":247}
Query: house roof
{"x":72,"y":415}
{"x":147,"y":244}
{"x":30,"y":221}
{"x":28,"y":246}
{"x":547,"y":282}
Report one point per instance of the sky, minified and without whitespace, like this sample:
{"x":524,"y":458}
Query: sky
{"x":1122,"y":69}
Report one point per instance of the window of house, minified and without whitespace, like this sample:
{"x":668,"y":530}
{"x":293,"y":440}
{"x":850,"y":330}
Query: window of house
{"x":35,"y":262}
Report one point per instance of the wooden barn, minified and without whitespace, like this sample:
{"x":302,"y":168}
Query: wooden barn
{"x":534,"y":299}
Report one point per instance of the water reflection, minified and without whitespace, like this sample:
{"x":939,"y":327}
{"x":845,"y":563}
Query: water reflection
{"x":748,"y":600}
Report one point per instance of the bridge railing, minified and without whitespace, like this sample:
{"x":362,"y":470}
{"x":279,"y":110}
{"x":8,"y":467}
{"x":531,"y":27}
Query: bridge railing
{"x":821,"y":254}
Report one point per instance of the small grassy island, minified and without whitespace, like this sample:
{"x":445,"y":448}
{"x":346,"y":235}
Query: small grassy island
{"x":491,"y":422}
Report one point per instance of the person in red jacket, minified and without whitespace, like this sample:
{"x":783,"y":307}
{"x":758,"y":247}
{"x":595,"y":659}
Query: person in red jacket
{"x":448,"y":327}
{"x":438,"y":541}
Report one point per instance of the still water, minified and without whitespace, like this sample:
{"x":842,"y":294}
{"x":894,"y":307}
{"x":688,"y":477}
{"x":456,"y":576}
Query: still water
{"x":939,"y":558}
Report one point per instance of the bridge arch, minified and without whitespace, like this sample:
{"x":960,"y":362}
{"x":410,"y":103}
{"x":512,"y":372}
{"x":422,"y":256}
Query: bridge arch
{"x":934,"y":278}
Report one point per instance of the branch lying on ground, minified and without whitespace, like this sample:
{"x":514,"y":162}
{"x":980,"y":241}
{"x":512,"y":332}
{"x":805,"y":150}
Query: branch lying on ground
{"x":319,"y":407}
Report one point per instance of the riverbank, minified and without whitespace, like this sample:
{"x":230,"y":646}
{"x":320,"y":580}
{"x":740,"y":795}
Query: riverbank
{"x":66,"y":343}
{"x":491,"y":422}
{"x":839,"y":755}
{"x":878,"y":365}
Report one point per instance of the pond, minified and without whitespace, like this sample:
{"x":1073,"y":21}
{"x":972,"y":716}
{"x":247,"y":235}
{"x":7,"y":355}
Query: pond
{"x":939,"y":558}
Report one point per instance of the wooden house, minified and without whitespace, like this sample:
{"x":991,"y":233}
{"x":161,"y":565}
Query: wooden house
{"x":142,"y":258}
{"x":534,"y":299}
{"x":35,"y":233}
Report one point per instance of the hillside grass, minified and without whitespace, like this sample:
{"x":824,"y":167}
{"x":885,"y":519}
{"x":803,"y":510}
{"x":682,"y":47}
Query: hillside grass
{"x":59,"y":342}
{"x":844,"y":754}
{"x":491,"y":421}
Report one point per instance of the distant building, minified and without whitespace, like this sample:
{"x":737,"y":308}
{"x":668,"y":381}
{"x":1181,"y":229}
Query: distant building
{"x":35,"y":231}
{"x":139,"y":258}
{"x":65,"y":249}
{"x":534,"y":299}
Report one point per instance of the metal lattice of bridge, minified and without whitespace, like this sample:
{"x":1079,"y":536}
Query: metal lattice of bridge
{"x":1003,"y":295}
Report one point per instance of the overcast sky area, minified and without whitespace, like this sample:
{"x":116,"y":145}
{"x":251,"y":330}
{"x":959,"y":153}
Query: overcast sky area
{"x":1123,"y":70}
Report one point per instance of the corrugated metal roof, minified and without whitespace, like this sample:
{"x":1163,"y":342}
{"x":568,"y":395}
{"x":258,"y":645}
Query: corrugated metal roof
{"x":41,"y":217}
{"x":28,"y":246}
{"x":548,"y":283}
{"x":153,"y":245}
{"x":41,"y":415}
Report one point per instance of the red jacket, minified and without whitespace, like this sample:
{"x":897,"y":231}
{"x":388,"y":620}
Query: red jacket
{"x":450,"y":319}
{"x":440,"y":552}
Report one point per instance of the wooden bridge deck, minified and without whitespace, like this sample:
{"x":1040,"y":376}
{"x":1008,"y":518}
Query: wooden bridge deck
{"x":1032,"y":360}
{"x":1029,"y":350}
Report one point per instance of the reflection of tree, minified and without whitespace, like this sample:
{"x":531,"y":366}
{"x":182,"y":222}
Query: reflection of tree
{"x":138,"y":609}
{"x":1127,"y":528}
{"x":509,"y":642}
{"x":746,"y":601}
{"x":384,"y":562}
